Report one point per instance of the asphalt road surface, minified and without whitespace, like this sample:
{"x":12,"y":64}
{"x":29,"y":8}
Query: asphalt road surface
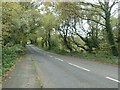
{"x":44,"y":69}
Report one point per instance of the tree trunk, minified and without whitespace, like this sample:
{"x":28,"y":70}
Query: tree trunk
{"x":110,"y":35}
{"x":49,"y":40}
{"x":66,"y":43}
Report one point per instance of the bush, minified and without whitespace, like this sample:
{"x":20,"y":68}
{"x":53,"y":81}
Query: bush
{"x":9,"y":55}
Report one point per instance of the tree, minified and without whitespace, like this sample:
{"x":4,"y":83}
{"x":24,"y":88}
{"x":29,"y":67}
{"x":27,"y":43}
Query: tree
{"x":19,"y":21}
{"x":106,"y":15}
{"x":86,"y":10}
{"x":9,"y":22}
{"x":48,"y":22}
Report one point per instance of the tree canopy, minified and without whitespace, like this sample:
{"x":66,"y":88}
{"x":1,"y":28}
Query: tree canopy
{"x":71,"y":26}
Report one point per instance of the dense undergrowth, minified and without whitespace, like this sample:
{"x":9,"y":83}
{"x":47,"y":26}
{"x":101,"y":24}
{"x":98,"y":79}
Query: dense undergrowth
{"x":10,"y":53}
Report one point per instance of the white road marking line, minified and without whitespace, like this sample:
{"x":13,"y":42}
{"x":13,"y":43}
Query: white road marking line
{"x":79,"y":67}
{"x":59,"y":59}
{"x":113,"y":79}
{"x":51,"y":56}
{"x":56,"y":58}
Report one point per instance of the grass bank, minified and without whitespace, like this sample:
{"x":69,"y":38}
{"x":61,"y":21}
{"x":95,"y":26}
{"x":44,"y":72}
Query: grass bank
{"x":108,"y":59}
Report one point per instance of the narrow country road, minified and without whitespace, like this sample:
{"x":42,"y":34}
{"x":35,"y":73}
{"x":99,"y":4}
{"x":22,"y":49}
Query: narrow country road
{"x":40,"y":68}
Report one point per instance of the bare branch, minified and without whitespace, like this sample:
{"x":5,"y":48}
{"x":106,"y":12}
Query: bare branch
{"x":102,"y":5}
{"x":90,"y":4}
{"x":93,"y":11}
{"x":91,"y":20}
{"x":115,"y":2}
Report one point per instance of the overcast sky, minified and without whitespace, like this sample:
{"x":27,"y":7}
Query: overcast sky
{"x":114,"y":9}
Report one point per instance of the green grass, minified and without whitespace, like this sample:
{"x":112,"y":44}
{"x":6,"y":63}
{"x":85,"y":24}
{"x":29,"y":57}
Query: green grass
{"x":37,"y":76}
{"x":101,"y":58}
{"x":88,"y":56}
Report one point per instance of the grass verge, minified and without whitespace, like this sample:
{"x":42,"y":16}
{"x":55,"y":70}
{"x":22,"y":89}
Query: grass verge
{"x":108,"y":59}
{"x":37,"y":78}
